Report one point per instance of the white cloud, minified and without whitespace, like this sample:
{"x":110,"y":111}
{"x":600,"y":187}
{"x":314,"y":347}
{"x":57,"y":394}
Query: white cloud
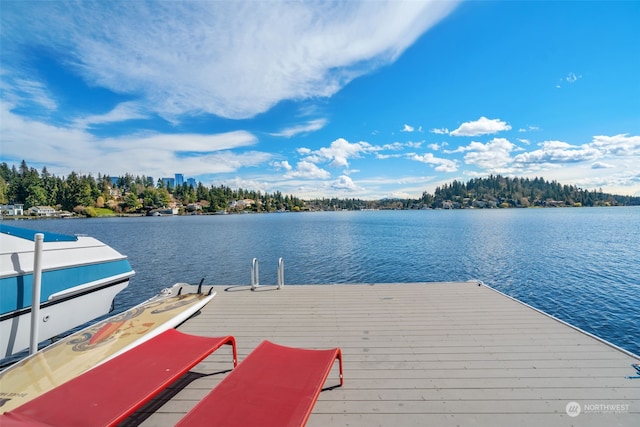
{"x":618,"y":145}
{"x":339,"y":152}
{"x":558,"y":152}
{"x":310,"y":126}
{"x":407,"y":128}
{"x":196,"y":143}
{"x":601,"y":165}
{"x":394,"y":146}
{"x":529,"y":129}
{"x":436,"y":146}
{"x":282,"y":165}
{"x":387,"y":156}
{"x":572,"y":78}
{"x":482,"y":126}
{"x":307,"y":170}
{"x":344,"y":183}
{"x":442,"y":165}
{"x":232,"y":59}
{"x":415,"y":144}
{"x":494,"y":154}
{"x":440,"y":131}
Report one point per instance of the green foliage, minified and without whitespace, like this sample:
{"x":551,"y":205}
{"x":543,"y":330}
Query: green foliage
{"x":88,"y":196}
{"x":4,"y":188}
{"x":90,"y":212}
{"x":103,"y":212}
{"x":523,"y":192}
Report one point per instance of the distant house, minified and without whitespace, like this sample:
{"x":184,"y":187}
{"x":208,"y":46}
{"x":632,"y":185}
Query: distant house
{"x":42,"y":211}
{"x":12,"y":210}
{"x":241,"y":204}
{"x":192,"y":207}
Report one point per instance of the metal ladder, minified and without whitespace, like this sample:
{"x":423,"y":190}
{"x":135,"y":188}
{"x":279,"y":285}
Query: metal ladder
{"x":255,"y":274}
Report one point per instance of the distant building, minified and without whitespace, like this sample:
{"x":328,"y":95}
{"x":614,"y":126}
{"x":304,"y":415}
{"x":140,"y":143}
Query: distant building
{"x":150,"y":180}
{"x":191,"y":182}
{"x":12,"y":210}
{"x":179,"y":179}
{"x":169,"y":182}
{"x":241,"y":204}
{"x":42,"y":211}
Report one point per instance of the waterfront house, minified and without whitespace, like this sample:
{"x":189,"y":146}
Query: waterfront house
{"x":241,"y":204}
{"x":42,"y":211}
{"x":12,"y":210}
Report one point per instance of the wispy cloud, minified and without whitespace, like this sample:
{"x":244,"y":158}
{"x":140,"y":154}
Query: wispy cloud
{"x":601,"y":165}
{"x":436,"y":147}
{"x":570,"y":78}
{"x":18,"y":91}
{"x":179,"y":57}
{"x":63,"y":149}
{"x":121,"y":113}
{"x":440,"y":131}
{"x":410,"y":129}
{"x":310,"y":126}
{"x":38,"y":93}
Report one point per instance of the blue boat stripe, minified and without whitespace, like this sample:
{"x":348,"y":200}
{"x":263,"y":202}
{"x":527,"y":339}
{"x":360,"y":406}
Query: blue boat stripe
{"x":17,"y":290}
{"x":7,"y":316}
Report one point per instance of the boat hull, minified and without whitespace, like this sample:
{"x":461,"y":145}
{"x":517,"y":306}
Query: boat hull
{"x":80,"y":278}
{"x":58,"y":316}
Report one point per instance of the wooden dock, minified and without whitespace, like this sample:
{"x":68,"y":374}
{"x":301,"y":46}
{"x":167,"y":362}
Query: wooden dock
{"x":420,"y":354}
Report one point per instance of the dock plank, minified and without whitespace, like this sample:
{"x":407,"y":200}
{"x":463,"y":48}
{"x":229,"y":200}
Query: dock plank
{"x":420,"y":354}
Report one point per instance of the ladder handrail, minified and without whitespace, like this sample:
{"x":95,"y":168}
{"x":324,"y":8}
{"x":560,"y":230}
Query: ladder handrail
{"x":255,"y":274}
{"x":280,"y":273}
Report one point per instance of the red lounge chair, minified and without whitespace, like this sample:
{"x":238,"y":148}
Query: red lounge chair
{"x":273,"y":386}
{"x":109,"y":393}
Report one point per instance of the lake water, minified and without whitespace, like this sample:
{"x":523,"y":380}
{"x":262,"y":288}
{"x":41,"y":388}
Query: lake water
{"x":581,"y":265}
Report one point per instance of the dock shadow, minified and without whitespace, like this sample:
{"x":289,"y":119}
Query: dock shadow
{"x":149,"y":409}
{"x":241,"y":288}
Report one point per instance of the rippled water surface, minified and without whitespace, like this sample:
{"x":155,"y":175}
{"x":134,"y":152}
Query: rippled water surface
{"x":581,"y":265}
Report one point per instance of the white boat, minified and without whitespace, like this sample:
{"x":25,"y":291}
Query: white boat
{"x":80,"y":278}
{"x":101,"y":341}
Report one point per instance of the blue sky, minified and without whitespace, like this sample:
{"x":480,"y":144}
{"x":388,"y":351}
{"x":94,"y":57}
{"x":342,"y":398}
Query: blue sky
{"x":325,"y":99}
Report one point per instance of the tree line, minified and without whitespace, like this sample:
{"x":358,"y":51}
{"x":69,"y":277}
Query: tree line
{"x":500,"y":191}
{"x":86,"y":195}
